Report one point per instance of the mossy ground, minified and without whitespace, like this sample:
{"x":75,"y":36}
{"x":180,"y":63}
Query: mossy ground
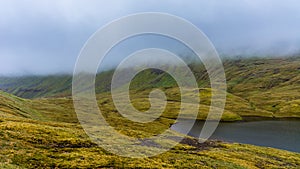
{"x":44,"y":133}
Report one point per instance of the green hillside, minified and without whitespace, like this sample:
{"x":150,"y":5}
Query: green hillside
{"x":260,"y":87}
{"x":44,"y":133}
{"x":37,"y":86}
{"x":244,"y":77}
{"x":59,"y":109}
{"x":269,"y":84}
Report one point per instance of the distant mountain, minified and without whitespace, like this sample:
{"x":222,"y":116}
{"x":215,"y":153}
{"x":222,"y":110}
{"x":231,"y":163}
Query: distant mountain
{"x":37,"y":86}
{"x":44,"y":132}
{"x":243,"y":76}
{"x":268,"y":84}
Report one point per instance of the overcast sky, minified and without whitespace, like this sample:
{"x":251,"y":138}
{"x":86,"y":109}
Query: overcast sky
{"x":45,"y":37}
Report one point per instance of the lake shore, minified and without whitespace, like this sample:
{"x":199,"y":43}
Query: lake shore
{"x":281,"y":134}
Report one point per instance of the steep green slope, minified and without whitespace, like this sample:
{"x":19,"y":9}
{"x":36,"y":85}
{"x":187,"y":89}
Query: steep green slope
{"x":244,"y":77}
{"x":267,"y":87}
{"x":37,"y":86}
{"x":11,"y":105}
{"x":58,"y":109}
{"x":269,"y":84}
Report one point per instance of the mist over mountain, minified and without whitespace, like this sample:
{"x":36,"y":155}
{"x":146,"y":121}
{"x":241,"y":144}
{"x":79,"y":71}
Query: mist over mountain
{"x":41,"y":38}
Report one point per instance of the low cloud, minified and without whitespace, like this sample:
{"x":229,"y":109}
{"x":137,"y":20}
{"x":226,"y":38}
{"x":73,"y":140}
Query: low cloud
{"x":45,"y":37}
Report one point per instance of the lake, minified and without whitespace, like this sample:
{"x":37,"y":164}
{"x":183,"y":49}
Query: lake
{"x":277,"y":134}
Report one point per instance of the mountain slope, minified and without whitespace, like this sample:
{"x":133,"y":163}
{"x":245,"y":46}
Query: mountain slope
{"x":37,"y":86}
{"x":38,"y":140}
{"x":244,"y":77}
{"x":59,"y":109}
{"x":267,"y":87}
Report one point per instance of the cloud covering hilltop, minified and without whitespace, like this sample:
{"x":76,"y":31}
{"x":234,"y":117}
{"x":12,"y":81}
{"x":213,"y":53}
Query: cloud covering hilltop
{"x":42,"y":37}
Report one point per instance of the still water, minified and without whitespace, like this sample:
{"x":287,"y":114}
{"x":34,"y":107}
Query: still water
{"x":277,"y":134}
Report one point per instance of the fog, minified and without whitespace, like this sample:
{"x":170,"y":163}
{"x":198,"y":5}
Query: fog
{"x":45,"y":37}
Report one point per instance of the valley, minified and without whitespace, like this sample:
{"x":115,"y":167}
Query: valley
{"x":39,"y":127}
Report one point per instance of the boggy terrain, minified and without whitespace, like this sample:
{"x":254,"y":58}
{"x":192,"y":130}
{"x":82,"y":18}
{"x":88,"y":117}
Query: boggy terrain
{"x":40,"y":128}
{"x":45,"y":133}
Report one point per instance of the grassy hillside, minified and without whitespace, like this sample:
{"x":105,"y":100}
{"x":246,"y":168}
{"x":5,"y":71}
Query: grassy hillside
{"x":263,"y":87}
{"x":59,"y":109}
{"x":269,"y":84}
{"x":44,"y":133}
{"x":37,"y":86}
{"x":244,"y":77}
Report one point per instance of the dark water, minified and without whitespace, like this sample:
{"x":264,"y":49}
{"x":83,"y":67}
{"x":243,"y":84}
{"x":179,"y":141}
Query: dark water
{"x":277,"y":134}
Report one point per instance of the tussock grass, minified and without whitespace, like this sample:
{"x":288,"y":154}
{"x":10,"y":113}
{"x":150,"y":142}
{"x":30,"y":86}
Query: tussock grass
{"x":49,"y":140}
{"x":45,"y":133}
